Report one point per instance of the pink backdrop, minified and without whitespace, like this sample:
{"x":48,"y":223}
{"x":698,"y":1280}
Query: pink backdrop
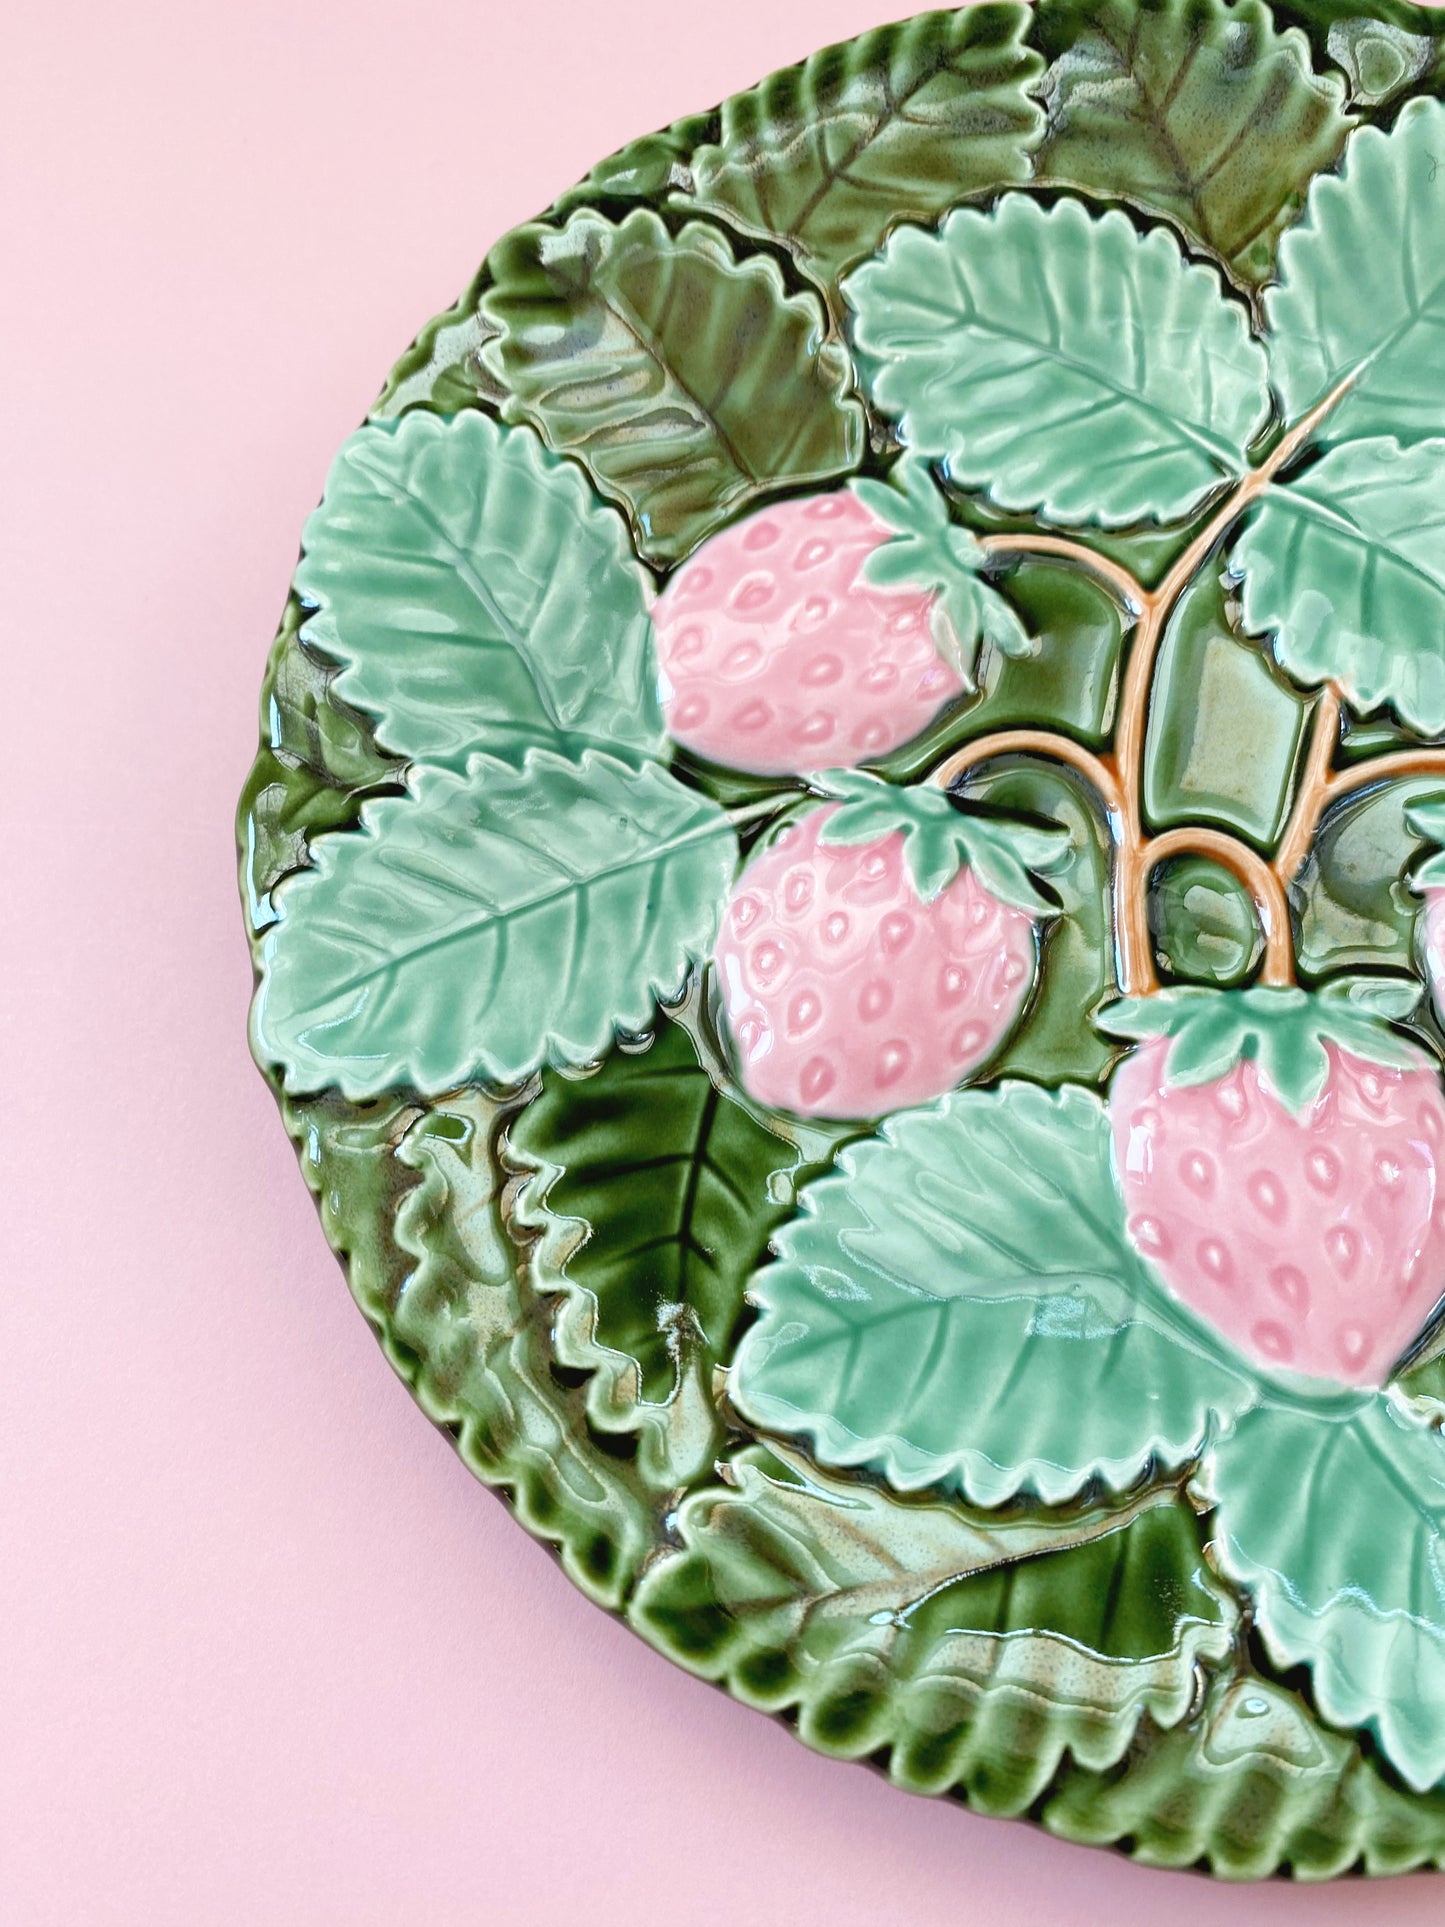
{"x":269,"y":1655}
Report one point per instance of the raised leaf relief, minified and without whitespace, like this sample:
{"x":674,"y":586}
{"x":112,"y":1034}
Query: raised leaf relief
{"x":960,"y":1305}
{"x":488,"y":922}
{"x":477,"y":594}
{"x":898,"y":124}
{"x":686,"y":381}
{"x":1061,"y":361}
{"x":1198,"y":110}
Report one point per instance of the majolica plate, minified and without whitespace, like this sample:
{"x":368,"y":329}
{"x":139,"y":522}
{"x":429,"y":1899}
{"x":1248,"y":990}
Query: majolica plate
{"x":846,"y":879}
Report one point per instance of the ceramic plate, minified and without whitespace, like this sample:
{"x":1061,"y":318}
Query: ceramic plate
{"x":845,"y":873}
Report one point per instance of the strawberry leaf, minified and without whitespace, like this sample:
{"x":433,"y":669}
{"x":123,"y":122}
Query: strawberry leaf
{"x":930,"y":551}
{"x":958,"y":1304}
{"x":1285,"y":1030}
{"x":1347,"y":1572}
{"x":939,"y":839}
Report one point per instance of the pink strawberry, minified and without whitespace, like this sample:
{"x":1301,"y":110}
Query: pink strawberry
{"x":864,"y":965}
{"x":788,"y":643}
{"x":1281,"y":1161}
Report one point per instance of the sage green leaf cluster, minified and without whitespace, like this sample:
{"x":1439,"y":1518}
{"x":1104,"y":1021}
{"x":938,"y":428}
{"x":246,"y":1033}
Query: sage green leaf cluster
{"x":940,"y":839}
{"x":1344,"y":566}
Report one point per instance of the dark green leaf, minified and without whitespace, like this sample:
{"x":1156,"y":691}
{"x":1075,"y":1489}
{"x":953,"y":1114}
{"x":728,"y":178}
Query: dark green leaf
{"x":898,"y":124}
{"x":1198,"y":110}
{"x":686,"y":382}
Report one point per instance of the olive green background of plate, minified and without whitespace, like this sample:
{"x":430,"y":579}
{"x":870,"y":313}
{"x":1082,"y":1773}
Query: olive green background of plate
{"x":1083,"y":1667}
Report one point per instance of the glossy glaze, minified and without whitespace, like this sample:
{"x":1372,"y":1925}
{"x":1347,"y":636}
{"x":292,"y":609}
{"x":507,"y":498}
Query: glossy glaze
{"x":1078,"y":1238}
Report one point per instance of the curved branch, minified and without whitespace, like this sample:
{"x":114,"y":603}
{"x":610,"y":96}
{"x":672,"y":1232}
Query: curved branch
{"x":1378,"y":769}
{"x":1127,"y":587}
{"x":1270,"y":905}
{"x":1309,"y":802}
{"x":1048,"y":744}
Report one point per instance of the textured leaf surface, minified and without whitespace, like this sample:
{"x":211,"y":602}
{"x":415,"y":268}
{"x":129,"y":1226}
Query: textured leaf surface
{"x":1348,"y":1576}
{"x":656,"y":1192}
{"x":1199,"y":110}
{"x":898,"y":124}
{"x":960,"y":1305}
{"x":686,"y":381}
{"x":489,"y":921}
{"x":977,"y":1651}
{"x":1061,"y":361}
{"x":477,"y":594}
{"x":1345,"y":569}
{"x":1361,"y":292}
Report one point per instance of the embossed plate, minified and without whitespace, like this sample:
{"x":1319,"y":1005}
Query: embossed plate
{"x":845,"y":873}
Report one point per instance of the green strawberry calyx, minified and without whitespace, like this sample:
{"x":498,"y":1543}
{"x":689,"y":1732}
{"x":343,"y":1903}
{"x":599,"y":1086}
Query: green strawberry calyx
{"x":1284,"y":1030}
{"x":928,"y":550}
{"x":1426,"y":818}
{"x":1005,"y":853}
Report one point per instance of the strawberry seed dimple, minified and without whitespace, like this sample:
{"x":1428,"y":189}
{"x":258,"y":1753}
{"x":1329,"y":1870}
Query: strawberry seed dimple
{"x":1215,"y":1261}
{"x":1273,"y":1340}
{"x":1267,"y":1195}
{"x":742,"y":660}
{"x":1429,"y":1122}
{"x":876,"y":998}
{"x":804,"y":1012}
{"x":1351,"y":1343}
{"x":696,"y":580}
{"x":823,"y":508}
{"x":1289,"y":1284}
{"x":817,"y":1080}
{"x":754,"y":593}
{"x":691,"y":711}
{"x":836,"y":926}
{"x":892,"y":1061}
{"x":761,"y":534}
{"x":953,"y":984}
{"x":878,"y":677}
{"x":895,"y":931}
{"x":811,"y":554}
{"x":1151,"y":1237}
{"x":754,"y":715}
{"x":798,"y":890}
{"x":690,"y":642}
{"x":814,"y":613}
{"x":1322,"y":1168}
{"x":745,"y":912}
{"x":816,"y":728}
{"x":767,"y":961}
{"x":1342,"y":1243}
{"x":1196,"y":1168}
{"x":968,"y":1040}
{"x":823,"y":670}
{"x":1388,"y":1172}
{"x":871,"y":735}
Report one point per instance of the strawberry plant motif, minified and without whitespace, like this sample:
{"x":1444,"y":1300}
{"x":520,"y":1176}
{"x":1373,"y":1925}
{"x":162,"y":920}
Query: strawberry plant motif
{"x":829,"y":629}
{"x":1208,"y":1268}
{"x":876,"y":954}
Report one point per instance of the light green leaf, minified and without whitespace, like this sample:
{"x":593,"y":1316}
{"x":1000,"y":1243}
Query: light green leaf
{"x":1061,"y":361}
{"x":655,"y":1194}
{"x":979,"y":1651}
{"x":477,"y":594}
{"x":1336,"y":1524}
{"x":939,"y":838}
{"x":1345,"y":569}
{"x":1361,"y":291}
{"x":488,"y":922}
{"x":686,"y":382}
{"x":898,"y":124}
{"x":1199,"y":110}
{"x":960,"y":1305}
{"x":1285,"y":1029}
{"x":1380,"y":58}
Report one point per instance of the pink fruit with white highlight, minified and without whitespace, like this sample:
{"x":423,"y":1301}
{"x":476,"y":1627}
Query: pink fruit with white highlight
{"x":777,"y":655}
{"x":1314,"y":1241}
{"x":847,"y":993}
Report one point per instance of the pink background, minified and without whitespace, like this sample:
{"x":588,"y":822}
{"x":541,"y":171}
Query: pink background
{"x":269,"y":1655}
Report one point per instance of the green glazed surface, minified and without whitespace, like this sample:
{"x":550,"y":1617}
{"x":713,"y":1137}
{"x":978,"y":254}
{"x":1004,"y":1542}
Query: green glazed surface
{"x":1005,"y":1564}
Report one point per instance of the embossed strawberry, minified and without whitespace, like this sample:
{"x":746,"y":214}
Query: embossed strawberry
{"x":827,"y":630}
{"x":1281,"y":1159}
{"x":880,"y":949}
